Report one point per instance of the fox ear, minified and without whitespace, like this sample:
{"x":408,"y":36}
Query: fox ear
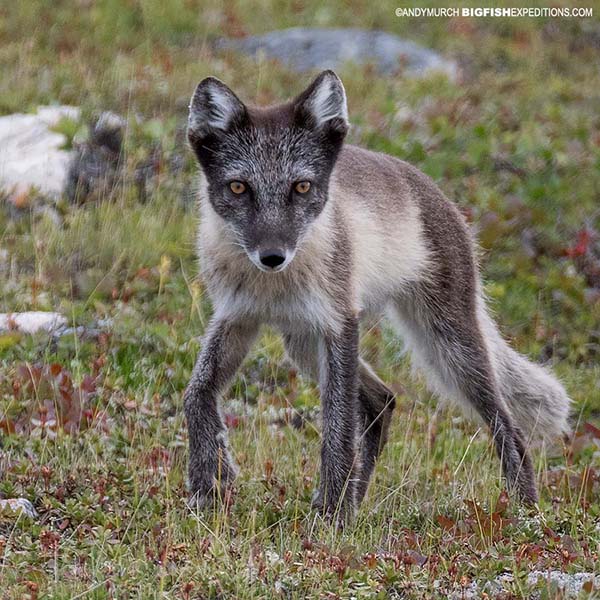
{"x":323,"y":104}
{"x":213,"y":107}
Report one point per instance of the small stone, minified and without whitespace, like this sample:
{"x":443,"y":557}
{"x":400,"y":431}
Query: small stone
{"x":31,"y":322}
{"x":17,"y":505}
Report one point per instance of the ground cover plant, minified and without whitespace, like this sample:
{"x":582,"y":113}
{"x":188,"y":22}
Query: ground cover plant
{"x":91,"y":421}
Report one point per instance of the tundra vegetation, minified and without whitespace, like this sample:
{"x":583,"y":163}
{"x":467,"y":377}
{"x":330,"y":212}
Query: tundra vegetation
{"x":91,"y":421}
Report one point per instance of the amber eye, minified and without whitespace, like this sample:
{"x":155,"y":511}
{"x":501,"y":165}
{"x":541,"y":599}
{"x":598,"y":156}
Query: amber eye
{"x":302,"y":187}
{"x":237,"y":187}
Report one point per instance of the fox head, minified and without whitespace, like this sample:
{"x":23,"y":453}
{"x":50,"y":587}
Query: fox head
{"x":268,"y":169}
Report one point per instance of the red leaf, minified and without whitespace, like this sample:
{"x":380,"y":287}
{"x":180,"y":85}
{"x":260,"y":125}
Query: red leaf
{"x":231,"y":421}
{"x":414,"y":558}
{"x":268,"y":469}
{"x":88,"y":384}
{"x":7,"y":425}
{"x":55,"y":369}
{"x":445,"y":522}
{"x":592,"y":430}
{"x":550,"y":533}
{"x":581,"y":246}
{"x":502,"y":503}
{"x":370,"y":560}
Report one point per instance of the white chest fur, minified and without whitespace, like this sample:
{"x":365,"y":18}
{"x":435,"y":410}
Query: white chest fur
{"x":297,"y":297}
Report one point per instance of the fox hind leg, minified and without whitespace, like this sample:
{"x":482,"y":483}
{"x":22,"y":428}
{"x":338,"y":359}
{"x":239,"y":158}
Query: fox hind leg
{"x":446,"y":342}
{"x":376,"y":404}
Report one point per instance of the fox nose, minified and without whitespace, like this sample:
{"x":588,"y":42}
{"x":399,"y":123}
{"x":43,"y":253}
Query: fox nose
{"x":272,"y":257}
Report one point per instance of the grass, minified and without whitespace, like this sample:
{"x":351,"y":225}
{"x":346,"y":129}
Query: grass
{"x":92,"y":425}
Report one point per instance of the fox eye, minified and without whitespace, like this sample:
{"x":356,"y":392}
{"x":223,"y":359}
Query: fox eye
{"x":237,"y":187}
{"x":302,"y":187}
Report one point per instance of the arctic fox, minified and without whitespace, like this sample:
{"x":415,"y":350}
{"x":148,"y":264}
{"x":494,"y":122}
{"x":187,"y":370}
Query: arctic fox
{"x":310,"y":235}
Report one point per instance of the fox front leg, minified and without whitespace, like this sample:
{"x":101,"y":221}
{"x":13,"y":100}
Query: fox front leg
{"x":211,"y":468}
{"x":336,"y":495}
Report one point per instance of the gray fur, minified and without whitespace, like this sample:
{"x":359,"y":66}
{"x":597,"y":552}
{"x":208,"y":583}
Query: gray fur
{"x":211,"y":466}
{"x":373,"y":235}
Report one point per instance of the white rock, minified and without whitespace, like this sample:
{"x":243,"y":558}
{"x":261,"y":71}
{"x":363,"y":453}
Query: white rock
{"x":571,"y":584}
{"x":31,"y":322}
{"x":19,"y":504}
{"x":30,"y":153}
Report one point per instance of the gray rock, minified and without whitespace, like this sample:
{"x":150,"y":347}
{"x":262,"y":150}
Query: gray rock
{"x":304,"y":49}
{"x":31,"y":154}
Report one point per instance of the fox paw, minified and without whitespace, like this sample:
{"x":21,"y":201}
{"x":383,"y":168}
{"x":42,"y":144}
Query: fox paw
{"x":218,"y":495}
{"x":339,"y":511}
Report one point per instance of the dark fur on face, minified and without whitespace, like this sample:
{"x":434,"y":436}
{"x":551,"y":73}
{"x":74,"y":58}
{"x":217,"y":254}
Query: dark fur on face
{"x":269,"y":151}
